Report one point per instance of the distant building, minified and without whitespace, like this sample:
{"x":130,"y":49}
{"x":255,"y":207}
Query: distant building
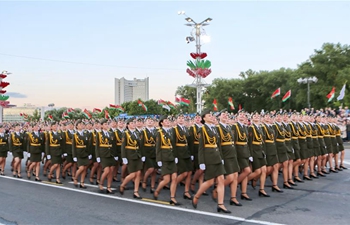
{"x":130,"y":90}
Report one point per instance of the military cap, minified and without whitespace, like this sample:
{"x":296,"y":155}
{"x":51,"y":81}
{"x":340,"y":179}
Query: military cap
{"x":78,"y":121}
{"x":221,"y":112}
{"x":68,"y":123}
{"x":131,"y":119}
{"x":102,"y":121}
{"x":52,"y":123}
{"x":241,"y":111}
{"x":161,"y":119}
{"x":139,"y":119}
{"x":180,"y":114}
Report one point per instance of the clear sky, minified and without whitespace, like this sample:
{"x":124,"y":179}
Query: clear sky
{"x":87,"y":44}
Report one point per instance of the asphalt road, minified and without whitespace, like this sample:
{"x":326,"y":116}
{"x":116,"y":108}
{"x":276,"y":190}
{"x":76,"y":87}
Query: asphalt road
{"x":322,"y":201}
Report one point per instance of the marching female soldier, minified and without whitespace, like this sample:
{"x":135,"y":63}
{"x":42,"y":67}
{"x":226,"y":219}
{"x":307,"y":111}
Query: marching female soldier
{"x":35,"y":147}
{"x":166,"y":159}
{"x":148,"y":149}
{"x":3,"y":149}
{"x":53,"y":149}
{"x":104,"y":154}
{"x":131,"y":156}
{"x":16,"y":140}
{"x":81,"y":152}
{"x":229,"y":154}
{"x":210,"y":160}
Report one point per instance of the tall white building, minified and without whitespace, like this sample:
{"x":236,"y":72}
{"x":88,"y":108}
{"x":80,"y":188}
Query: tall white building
{"x":130,"y":90}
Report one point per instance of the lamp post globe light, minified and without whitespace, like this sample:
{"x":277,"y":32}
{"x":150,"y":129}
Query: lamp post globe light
{"x":195,"y":35}
{"x":307,"y":81}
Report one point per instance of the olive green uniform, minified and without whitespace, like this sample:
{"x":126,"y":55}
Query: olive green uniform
{"x":16,"y":140}
{"x":148,"y":147}
{"x":241,"y":144}
{"x":35,"y":145}
{"x":209,"y":153}
{"x":80,"y":147}
{"x":53,"y":146}
{"x":131,"y":150}
{"x":164,"y":152}
{"x":269,"y":144}
{"x":228,"y":149}
{"x":4,"y":148}
{"x":103,"y":148}
{"x":280,"y":142}
{"x":181,"y":149}
{"x":255,"y":142}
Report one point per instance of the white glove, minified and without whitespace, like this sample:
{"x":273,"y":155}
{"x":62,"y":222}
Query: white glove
{"x":10,"y":153}
{"x":90,"y":156}
{"x":125,"y":161}
{"x":222,"y":162}
{"x":42,"y":154}
{"x":192,"y":157}
{"x":98,"y":160}
{"x":75,"y":159}
{"x":116,"y":158}
{"x":159,"y":164}
{"x":143,"y":159}
{"x":24,"y":153}
{"x":202,"y":166}
{"x":65,"y":154}
{"x":293,"y":150}
{"x":28,"y":154}
{"x":251,"y":159}
{"x":48,"y":157}
{"x":176,"y":160}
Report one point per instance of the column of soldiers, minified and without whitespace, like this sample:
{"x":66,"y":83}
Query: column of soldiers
{"x":213,"y":150}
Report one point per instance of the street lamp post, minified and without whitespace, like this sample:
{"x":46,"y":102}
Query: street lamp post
{"x":199,"y":81}
{"x":307,"y":81}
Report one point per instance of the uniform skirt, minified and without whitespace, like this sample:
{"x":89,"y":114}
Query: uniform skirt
{"x":134,"y":165}
{"x":317,"y":151}
{"x":83,"y":161}
{"x":107,"y":162}
{"x":341,"y":147}
{"x":329,"y":149}
{"x":168,"y":168}
{"x":243,"y":163}
{"x":271,"y":160}
{"x":56,"y":160}
{"x":258,"y":163}
{"x":335,"y":149}
{"x":213,"y":170}
{"x":323,"y":150}
{"x":184,"y":165}
{"x":35,"y":157}
{"x":231,"y":166}
{"x":3,"y":154}
{"x":150,"y":163}
{"x":69,"y":158}
{"x":17,"y":154}
{"x":282,"y":157}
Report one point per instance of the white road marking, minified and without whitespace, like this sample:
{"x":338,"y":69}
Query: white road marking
{"x":147,"y":203}
{"x":346,"y":162}
{"x":92,"y":185}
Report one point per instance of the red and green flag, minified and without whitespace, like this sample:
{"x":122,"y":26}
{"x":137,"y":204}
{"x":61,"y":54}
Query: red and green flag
{"x":230,"y":103}
{"x":50,"y":117}
{"x":276,"y":93}
{"x":331,"y":94}
{"x":215,"y":105}
{"x":107,"y":116}
{"x":65,"y":115}
{"x":171,"y":105}
{"x":182,"y":101}
{"x":87,"y":114}
{"x":96,"y":110}
{"x":144,"y":107}
{"x":287,"y":96}
{"x":70,"y":110}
